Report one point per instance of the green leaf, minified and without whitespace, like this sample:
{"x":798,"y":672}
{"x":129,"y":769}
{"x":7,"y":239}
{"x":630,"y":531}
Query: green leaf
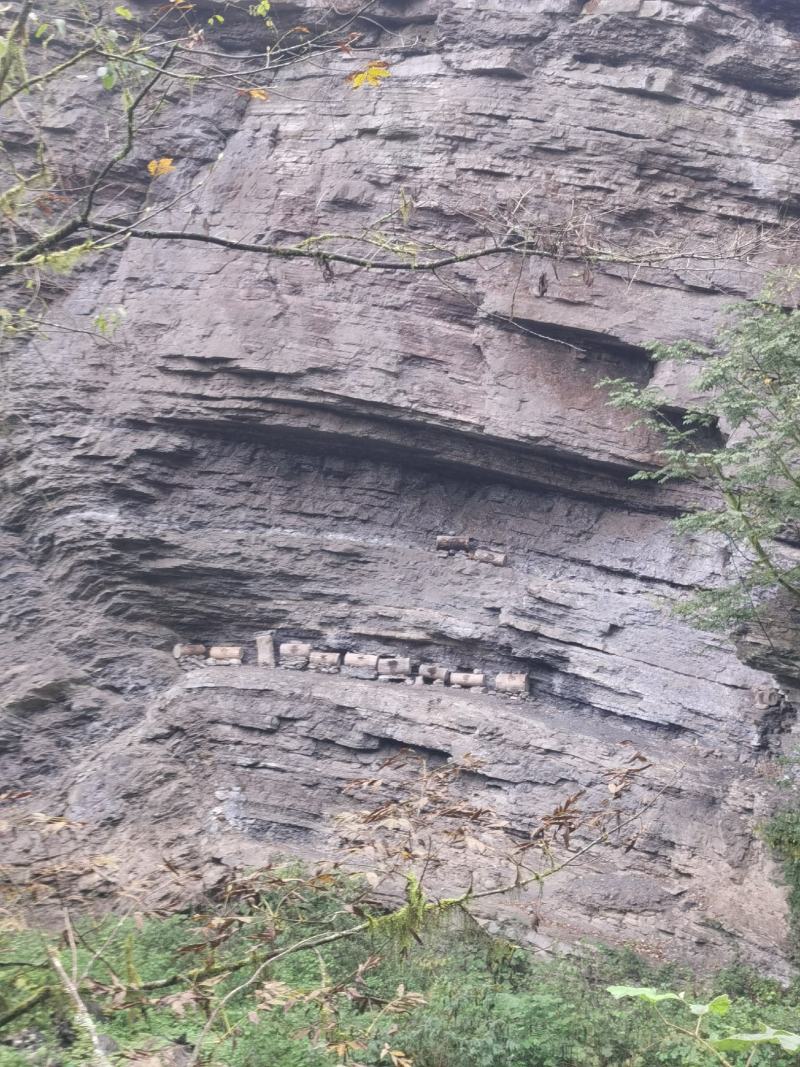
{"x":718,"y":1006}
{"x":748,"y":382}
{"x":789,"y":1042}
{"x":123,"y":12}
{"x":107,"y":75}
{"x":646,"y":993}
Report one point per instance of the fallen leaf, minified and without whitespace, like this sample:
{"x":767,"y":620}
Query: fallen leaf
{"x":158,"y":167}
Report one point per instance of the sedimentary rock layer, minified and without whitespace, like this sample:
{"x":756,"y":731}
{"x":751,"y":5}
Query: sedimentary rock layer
{"x":266,"y":446}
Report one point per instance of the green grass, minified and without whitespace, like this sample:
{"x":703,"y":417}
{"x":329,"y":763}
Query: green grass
{"x":486,"y":1003}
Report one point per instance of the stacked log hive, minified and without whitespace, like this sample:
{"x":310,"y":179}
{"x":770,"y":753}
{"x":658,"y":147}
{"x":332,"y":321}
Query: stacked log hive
{"x":300,"y":655}
{"x":448,"y":545}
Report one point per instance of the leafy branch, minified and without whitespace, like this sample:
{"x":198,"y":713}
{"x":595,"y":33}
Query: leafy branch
{"x":742,"y":441}
{"x":421,"y":822}
{"x":175,"y":51}
{"x":713,"y":1010}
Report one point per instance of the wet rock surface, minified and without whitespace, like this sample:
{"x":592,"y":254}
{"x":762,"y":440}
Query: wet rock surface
{"x":261,"y":449}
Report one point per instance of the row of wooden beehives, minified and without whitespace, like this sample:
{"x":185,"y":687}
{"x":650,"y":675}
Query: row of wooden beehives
{"x":299,"y":655}
{"x":449,"y":545}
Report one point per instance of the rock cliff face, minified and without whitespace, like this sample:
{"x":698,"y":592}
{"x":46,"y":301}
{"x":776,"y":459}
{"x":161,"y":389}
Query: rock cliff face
{"x":267,"y":445}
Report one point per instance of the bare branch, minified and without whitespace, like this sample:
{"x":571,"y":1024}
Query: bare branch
{"x":127,"y":147}
{"x":82,"y":1017}
{"x":297,"y":252}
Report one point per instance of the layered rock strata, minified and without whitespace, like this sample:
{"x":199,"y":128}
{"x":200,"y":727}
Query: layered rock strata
{"x":264,"y":446}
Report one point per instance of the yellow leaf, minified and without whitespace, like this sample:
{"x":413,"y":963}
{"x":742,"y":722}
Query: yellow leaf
{"x":371,"y":75}
{"x":257,"y":94}
{"x":158,"y":167}
{"x":105,"y":861}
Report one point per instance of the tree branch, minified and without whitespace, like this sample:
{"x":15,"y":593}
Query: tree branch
{"x":309,"y":942}
{"x":44,"y":244}
{"x":47,"y":74}
{"x":295,"y":252}
{"x":15,"y":31}
{"x":125,"y":150}
{"x":82,"y":1016}
{"x":25,"y":1005}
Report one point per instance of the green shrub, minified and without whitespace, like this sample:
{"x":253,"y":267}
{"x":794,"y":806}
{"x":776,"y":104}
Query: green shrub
{"x":782,"y":834}
{"x":749,"y":381}
{"x":479,"y":1001}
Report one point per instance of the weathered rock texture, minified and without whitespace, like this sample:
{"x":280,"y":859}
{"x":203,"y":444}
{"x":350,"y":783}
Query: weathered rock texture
{"x":265,"y":448}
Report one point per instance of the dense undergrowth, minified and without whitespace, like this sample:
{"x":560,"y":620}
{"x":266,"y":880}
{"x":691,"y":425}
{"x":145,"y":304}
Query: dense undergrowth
{"x":451,"y":997}
{"x":782,"y":834}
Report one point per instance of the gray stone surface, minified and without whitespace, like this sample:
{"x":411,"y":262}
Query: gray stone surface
{"x":695,"y":883}
{"x":261,"y":448}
